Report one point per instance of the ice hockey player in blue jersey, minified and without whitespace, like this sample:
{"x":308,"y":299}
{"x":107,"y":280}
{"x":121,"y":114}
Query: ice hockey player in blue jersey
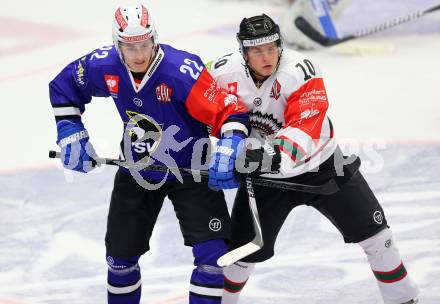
{"x":166,"y":100}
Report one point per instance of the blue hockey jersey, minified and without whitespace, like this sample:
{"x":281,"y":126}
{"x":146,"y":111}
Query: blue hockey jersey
{"x":164,"y":116}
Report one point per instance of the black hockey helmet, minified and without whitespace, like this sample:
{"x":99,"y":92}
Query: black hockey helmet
{"x":258,"y":30}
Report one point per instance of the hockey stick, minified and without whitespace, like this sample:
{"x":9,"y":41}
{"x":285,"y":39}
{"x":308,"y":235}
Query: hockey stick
{"x":254,"y":245}
{"x":307,"y":29}
{"x":327,"y":188}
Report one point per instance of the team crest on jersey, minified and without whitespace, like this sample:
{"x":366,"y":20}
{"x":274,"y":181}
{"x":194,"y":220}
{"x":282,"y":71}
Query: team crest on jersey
{"x":232,"y":88}
{"x":164,"y":92}
{"x":144,"y":133}
{"x":112,"y":82}
{"x":264,"y":124}
{"x":276,"y":89}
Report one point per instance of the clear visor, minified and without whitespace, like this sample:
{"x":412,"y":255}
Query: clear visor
{"x":132,"y":48}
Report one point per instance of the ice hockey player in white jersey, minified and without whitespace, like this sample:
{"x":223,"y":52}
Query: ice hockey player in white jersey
{"x":319,"y":14}
{"x":287,"y":102}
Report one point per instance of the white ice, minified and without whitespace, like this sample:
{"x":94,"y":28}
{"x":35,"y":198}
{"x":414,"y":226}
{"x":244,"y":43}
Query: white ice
{"x":53,"y":222}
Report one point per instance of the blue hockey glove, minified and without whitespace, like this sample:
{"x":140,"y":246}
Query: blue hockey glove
{"x":76,"y":152}
{"x":222,"y":166}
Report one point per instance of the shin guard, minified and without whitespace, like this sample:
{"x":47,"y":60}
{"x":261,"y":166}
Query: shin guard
{"x":235,"y":276}
{"x":123,"y":280}
{"x":394,"y":283}
{"x":207,"y":278}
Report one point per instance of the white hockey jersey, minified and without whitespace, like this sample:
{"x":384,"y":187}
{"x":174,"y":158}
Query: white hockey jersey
{"x":288,"y":110}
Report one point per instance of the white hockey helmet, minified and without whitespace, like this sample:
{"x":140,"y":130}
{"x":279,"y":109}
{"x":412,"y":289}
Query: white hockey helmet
{"x":133,"y":24}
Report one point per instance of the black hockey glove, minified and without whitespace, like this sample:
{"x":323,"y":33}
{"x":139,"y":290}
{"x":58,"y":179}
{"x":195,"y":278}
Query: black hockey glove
{"x":265,"y":159}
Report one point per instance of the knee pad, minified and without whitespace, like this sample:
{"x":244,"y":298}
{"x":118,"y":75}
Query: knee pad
{"x":207,"y":278}
{"x":386,"y":263}
{"x":208,"y":252}
{"x":383,"y":256}
{"x":123,"y":280}
{"x":379,"y":244}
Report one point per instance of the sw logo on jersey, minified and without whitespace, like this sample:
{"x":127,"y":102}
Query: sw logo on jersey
{"x":145,"y":134}
{"x":164,"y":92}
{"x":276,"y":89}
{"x":112,"y":82}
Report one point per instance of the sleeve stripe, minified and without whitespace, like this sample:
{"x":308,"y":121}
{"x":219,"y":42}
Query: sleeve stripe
{"x":291,"y":148}
{"x":291,"y":154}
{"x":234,"y":126}
{"x":294,"y":144}
{"x":66,"y":111}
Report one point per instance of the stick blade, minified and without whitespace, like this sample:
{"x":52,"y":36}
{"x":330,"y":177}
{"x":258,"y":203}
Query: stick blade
{"x":237,"y":254}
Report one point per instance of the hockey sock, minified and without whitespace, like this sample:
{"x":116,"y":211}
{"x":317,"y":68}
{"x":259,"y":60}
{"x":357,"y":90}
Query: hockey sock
{"x":207,"y":278}
{"x":123,"y":280}
{"x":385,"y":261}
{"x":235,"y":277}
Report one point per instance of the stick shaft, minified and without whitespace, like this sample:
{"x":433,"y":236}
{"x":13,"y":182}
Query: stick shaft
{"x":327,"y":188}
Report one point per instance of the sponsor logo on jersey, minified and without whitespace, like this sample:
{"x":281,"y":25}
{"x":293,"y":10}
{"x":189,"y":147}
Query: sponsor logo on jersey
{"x":212,"y":91}
{"x":164,"y":92}
{"x":276,"y":89}
{"x":231,"y":100}
{"x":312,"y":96}
{"x":215,"y":224}
{"x":79,"y":72}
{"x":257,"y":101}
{"x":232,"y":87}
{"x":112,"y":82}
{"x":378,"y":217}
{"x":138,"y":102}
{"x":309,"y":113}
